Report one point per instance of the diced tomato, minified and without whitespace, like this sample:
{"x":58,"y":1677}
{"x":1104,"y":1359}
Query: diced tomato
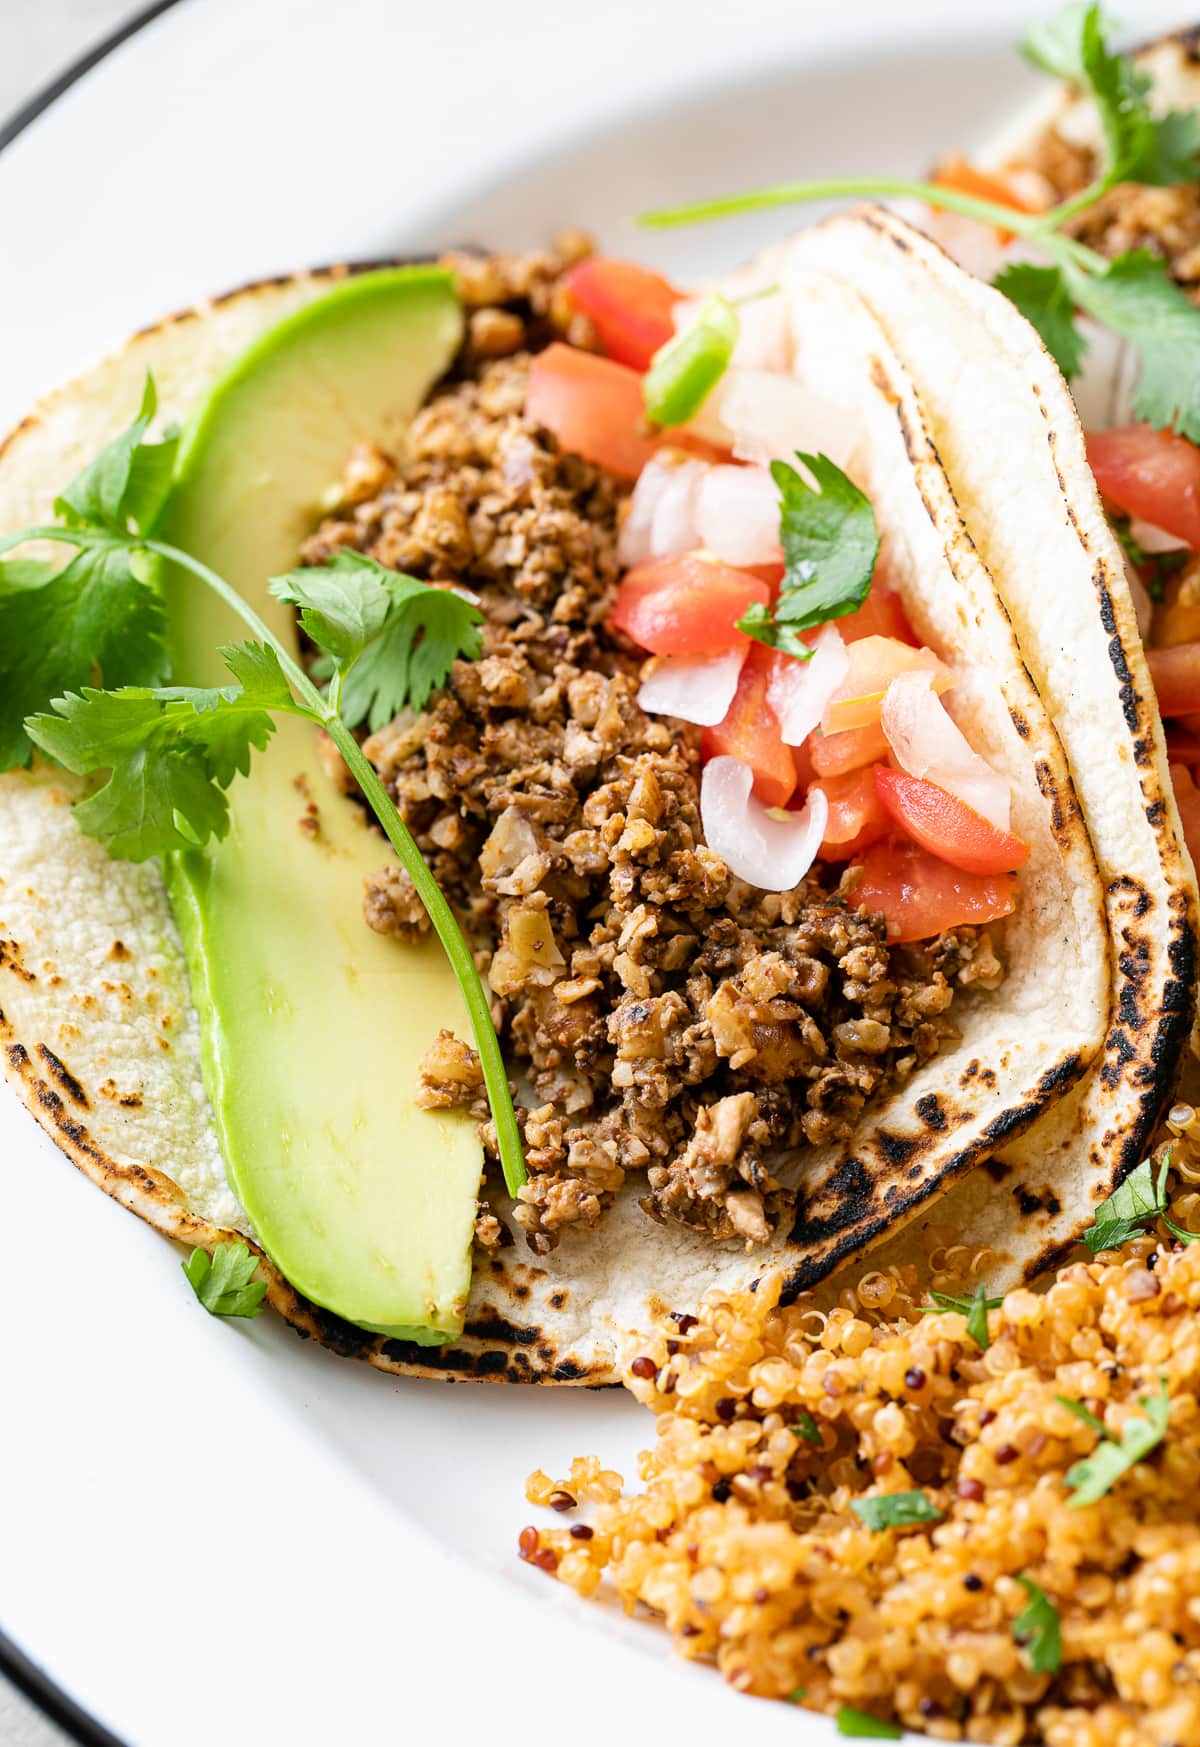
{"x":834,"y":754}
{"x":593,"y":406}
{"x":1177,"y":615}
{"x":751,"y":732}
{"x":1153,"y":475}
{"x":957,"y":173}
{"x":857,"y":817}
{"x":1187,"y":799}
{"x":1176,"y":676}
{"x":685,"y":606}
{"x":919,"y":895}
{"x":881,"y":615}
{"x":805,"y":772}
{"x":1183,"y":743}
{"x":629,"y":306}
{"x":946,"y":826}
{"x":874,"y":663}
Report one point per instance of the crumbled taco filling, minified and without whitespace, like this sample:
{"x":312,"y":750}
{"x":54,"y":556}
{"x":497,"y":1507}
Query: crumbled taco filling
{"x":981,"y":1526}
{"x":667,"y":1019}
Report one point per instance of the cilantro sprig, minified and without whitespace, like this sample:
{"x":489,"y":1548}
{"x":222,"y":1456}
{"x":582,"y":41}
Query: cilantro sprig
{"x":1133,"y":294}
{"x":1131,"y":1207}
{"x":975,"y":1309}
{"x":83,"y":657}
{"x":224,"y":1282}
{"x":896,"y":1510}
{"x":1096,"y":1474}
{"x":830,"y":543}
{"x":1038,"y":1629}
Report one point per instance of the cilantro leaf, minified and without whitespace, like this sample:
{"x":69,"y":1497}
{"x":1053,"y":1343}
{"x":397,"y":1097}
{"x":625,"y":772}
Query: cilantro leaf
{"x":391,"y":637}
{"x":861,"y":1723}
{"x":1139,"y":300}
{"x":1041,"y":295}
{"x":975,"y":1309}
{"x":224,"y":1282}
{"x":170,"y":753}
{"x":1056,"y":44}
{"x":830,"y":543}
{"x":806,"y":1427}
{"x":62,"y":629}
{"x":1095,"y":1475}
{"x":1130,"y":1208}
{"x":896,"y":1510}
{"x":123,"y":488}
{"x":1037,"y":1627}
{"x":1185,"y":1237}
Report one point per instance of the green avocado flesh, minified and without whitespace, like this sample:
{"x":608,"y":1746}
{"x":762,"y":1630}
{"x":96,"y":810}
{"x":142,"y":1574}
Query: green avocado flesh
{"x":313,"y":1026}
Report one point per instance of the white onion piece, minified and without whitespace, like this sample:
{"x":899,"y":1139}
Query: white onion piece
{"x":693,"y":688}
{"x":768,"y":417}
{"x":798,"y":691}
{"x":1155,"y":540}
{"x":737,"y":515}
{"x":662,"y":511}
{"x":928,"y":743}
{"x":768,"y":851}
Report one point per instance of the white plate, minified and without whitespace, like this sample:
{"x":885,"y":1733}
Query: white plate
{"x":211,"y":1531}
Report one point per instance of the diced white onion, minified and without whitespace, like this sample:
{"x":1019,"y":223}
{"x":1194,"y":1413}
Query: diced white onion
{"x":737,"y":515}
{"x":928,"y":743}
{"x":693,"y":688}
{"x":768,"y":417}
{"x":681,"y":505}
{"x":1154,"y":540}
{"x":798,"y":691}
{"x":763,"y":848}
{"x":662,"y":511}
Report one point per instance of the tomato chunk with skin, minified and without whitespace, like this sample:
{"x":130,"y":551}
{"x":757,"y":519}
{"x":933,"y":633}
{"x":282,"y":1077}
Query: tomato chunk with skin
{"x":946,"y":826}
{"x":881,"y":615}
{"x":1176,"y":676}
{"x":920,"y":896}
{"x":751,"y":732}
{"x":685,"y":606}
{"x":834,"y":754}
{"x":962,"y":176}
{"x":630,"y":307}
{"x":1153,"y":475}
{"x":1187,"y":799}
{"x":593,"y":406}
{"x":857,"y":816}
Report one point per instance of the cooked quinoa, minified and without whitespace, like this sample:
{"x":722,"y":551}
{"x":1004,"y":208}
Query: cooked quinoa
{"x":662,"y":1017}
{"x":742,"y":1541}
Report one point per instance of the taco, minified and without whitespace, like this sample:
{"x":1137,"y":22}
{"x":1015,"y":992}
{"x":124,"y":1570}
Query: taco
{"x":779,"y":944}
{"x":1110,"y":671}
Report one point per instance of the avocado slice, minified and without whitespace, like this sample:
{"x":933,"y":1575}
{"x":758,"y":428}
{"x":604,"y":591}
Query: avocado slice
{"x":313,"y":1026}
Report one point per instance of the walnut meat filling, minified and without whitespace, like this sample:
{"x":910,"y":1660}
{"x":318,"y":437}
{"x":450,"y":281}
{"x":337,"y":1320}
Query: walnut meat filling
{"x":668,"y":1020}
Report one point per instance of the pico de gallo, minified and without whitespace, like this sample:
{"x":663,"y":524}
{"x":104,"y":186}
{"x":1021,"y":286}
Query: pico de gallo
{"x":825,"y":734}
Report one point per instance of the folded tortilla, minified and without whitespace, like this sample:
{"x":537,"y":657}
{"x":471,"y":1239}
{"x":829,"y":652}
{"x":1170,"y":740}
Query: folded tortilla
{"x":93,"y":982}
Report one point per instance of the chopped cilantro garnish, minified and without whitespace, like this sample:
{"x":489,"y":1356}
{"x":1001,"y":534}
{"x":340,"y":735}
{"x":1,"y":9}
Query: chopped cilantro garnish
{"x":863,"y":1724}
{"x":975,"y":1309}
{"x":684,"y":372}
{"x":806,"y":1427}
{"x":796,"y":1695}
{"x":1041,"y":295}
{"x":1136,"y":297}
{"x":830,"y":543}
{"x":896,"y":1510}
{"x":1092,"y":1477}
{"x":1037,"y":1627}
{"x":169,"y":753}
{"x":1178,"y":1231}
{"x":1130,"y":1208}
{"x":224,"y":1283}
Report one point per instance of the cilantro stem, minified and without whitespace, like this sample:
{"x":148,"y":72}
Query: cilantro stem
{"x":324,"y":712}
{"x":847,"y":188}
